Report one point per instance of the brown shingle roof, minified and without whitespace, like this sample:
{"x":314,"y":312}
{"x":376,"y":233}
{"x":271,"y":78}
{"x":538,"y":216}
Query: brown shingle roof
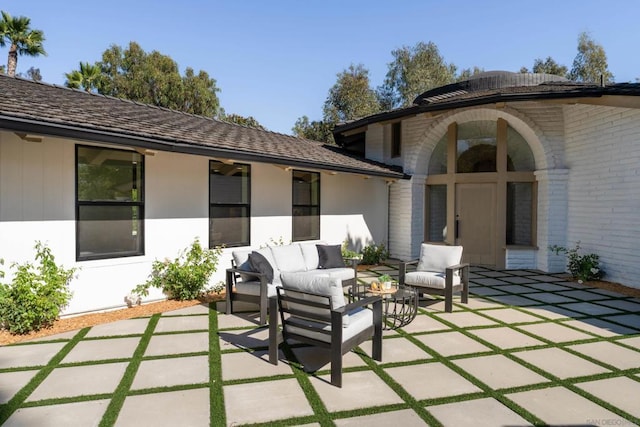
{"x":42,"y":108}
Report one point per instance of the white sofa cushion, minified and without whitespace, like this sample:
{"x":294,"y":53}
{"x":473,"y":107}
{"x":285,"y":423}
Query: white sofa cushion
{"x":241,"y":260}
{"x":288,"y":258}
{"x":438,"y":257}
{"x":310,"y":254}
{"x":428,"y":279}
{"x":253,"y":288}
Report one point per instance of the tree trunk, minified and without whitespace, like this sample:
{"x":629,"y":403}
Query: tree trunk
{"x":12,"y":62}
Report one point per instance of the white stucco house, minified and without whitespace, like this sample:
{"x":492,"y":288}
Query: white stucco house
{"x":111,"y":185}
{"x":507,"y":164}
{"x":504,"y":164}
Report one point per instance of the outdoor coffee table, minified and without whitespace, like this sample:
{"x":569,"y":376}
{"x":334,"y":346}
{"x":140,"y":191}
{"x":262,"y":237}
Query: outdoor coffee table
{"x":400,"y":303}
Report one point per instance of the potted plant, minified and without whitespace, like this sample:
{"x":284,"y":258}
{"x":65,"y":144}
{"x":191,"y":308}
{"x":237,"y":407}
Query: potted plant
{"x":386,"y":281}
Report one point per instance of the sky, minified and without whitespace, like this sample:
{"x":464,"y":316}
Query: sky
{"x":276,"y":60}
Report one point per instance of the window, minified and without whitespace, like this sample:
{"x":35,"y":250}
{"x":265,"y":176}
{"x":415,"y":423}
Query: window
{"x":437,"y":226}
{"x":520,"y":213}
{"x":109,"y":203}
{"x":396,"y":139}
{"x":438,"y":161}
{"x":476,"y":148}
{"x":519,"y":154}
{"x":306,"y":205}
{"x":229,"y":204}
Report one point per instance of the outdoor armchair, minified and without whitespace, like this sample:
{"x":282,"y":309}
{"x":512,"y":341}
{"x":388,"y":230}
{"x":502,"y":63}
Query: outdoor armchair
{"x":313,"y":311}
{"x":438,"y":272}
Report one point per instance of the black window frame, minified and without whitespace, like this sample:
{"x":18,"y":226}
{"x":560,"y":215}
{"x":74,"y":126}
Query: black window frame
{"x":295,"y":205}
{"x":246,"y":206}
{"x":396,"y":139}
{"x":140,"y":204}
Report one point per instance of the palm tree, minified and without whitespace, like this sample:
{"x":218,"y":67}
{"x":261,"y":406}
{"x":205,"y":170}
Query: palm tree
{"x":85,"y":78}
{"x":22,"y":40}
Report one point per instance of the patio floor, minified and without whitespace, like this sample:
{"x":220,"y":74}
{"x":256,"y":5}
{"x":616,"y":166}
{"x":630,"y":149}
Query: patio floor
{"x":528,"y":349}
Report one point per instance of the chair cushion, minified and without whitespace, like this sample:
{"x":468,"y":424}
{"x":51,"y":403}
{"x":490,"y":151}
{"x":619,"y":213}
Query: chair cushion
{"x":260,"y":264}
{"x":324,"y":285}
{"x":330,"y":256}
{"x":344,"y":273}
{"x":253,"y":288}
{"x":317,"y":284}
{"x":428,"y":279}
{"x":288,"y":258}
{"x":438,"y":257}
{"x":358,"y":321}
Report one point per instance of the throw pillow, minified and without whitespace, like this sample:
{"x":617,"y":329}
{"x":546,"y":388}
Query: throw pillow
{"x":261,"y":265}
{"x":330,"y":256}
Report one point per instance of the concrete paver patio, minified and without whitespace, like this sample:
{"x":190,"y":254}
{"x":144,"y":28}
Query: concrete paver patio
{"x":529,"y":349}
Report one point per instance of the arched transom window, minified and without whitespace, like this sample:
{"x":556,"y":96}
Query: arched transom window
{"x":483,"y":151}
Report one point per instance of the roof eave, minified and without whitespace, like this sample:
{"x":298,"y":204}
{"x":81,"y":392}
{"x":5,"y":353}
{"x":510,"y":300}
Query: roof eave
{"x":95,"y":135}
{"x":490,"y":99}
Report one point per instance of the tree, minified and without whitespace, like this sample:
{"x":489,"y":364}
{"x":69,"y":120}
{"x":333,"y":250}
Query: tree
{"x":86,"y":77}
{"x":467,"y":73}
{"x":250,"y":121}
{"x":150,"y":78}
{"x":413,"y":71}
{"x":350,"y":97}
{"x":590,"y":63}
{"x":547,"y":66}
{"x":22,"y":40}
{"x":32,"y":73}
{"x":314,"y":130}
{"x":200,"y":94}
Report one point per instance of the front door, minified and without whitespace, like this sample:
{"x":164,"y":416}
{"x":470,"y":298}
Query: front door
{"x":476,"y":222}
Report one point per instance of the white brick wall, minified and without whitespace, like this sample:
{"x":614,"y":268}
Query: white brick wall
{"x":400,"y":215}
{"x":603,"y":155}
{"x":520,"y":258}
{"x":374,"y":148}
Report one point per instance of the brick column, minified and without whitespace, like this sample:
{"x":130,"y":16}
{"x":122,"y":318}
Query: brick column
{"x":552,"y":217}
{"x":406,"y":217}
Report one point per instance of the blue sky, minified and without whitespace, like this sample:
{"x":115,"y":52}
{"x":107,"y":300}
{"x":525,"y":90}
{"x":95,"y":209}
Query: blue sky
{"x":276,"y":60}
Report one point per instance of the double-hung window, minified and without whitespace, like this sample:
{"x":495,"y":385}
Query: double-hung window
{"x":306,"y":205}
{"x":109,"y":203}
{"x":229,"y":204}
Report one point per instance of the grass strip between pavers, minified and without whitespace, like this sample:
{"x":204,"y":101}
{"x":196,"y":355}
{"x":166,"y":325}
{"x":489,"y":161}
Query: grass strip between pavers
{"x":18,"y":399}
{"x":217,"y":413}
{"x":486,"y":390}
{"x":113,"y":410}
{"x":400,"y":391}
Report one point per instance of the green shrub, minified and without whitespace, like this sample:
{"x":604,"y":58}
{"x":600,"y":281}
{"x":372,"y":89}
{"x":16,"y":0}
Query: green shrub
{"x":36,"y":296}
{"x":372,"y":254}
{"x":583,"y":267}
{"x":184,"y":278}
{"x":348,"y":253}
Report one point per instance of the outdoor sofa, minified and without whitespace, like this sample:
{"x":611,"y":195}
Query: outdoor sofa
{"x":255,"y":273}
